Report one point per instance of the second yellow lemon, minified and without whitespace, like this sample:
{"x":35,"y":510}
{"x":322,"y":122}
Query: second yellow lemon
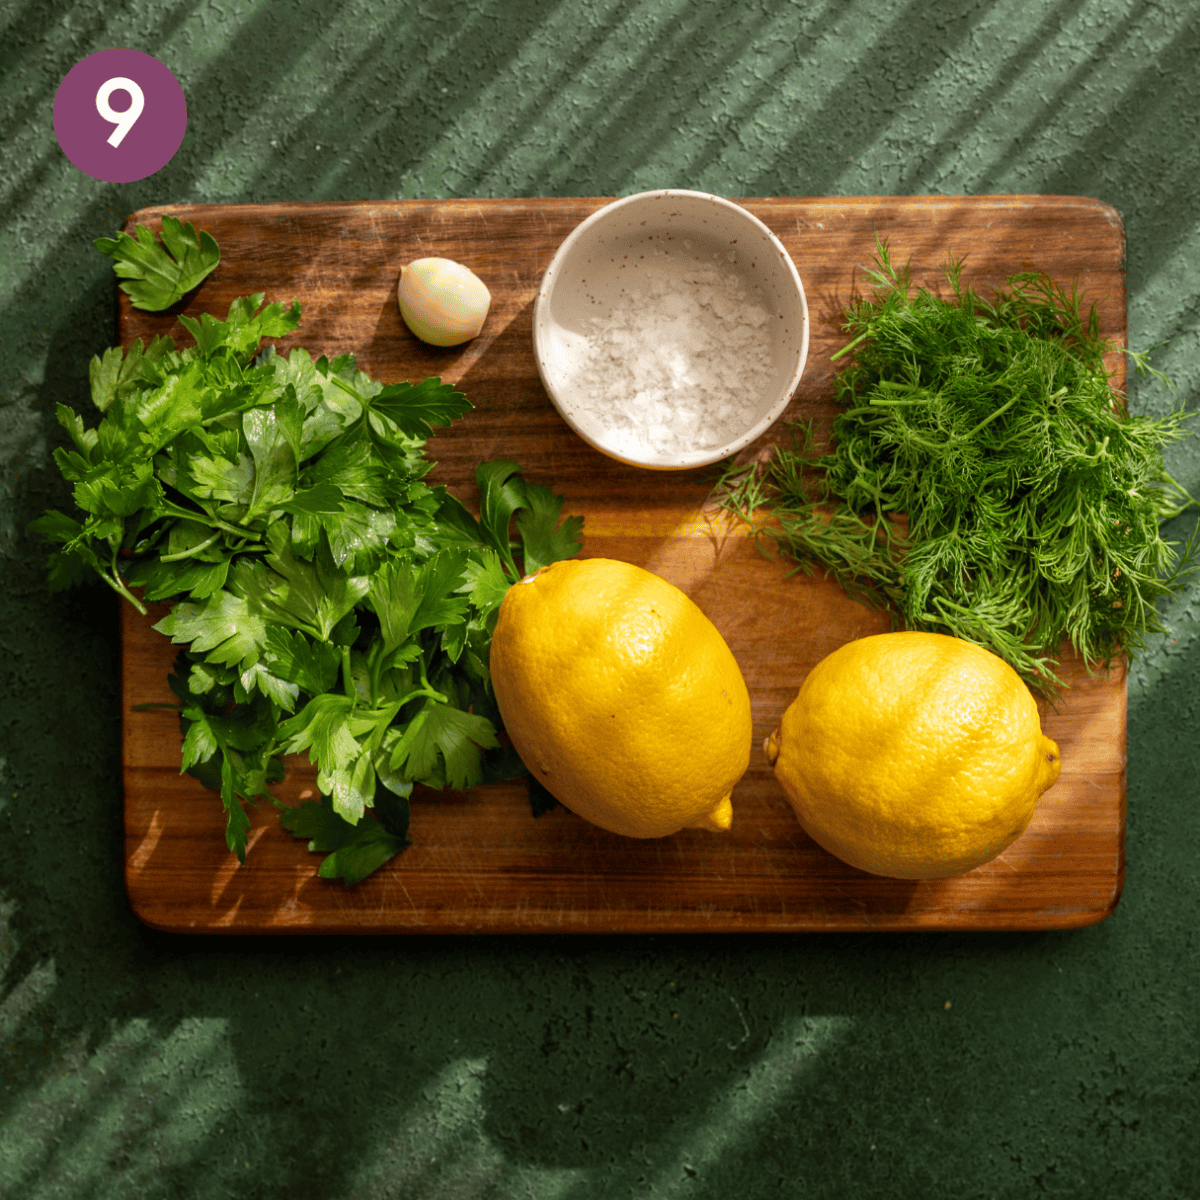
{"x":913,"y":755}
{"x":621,"y":697}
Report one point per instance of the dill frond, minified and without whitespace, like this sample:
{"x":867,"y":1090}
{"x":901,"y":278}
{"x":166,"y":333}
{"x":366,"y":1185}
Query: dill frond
{"x":984,"y":478}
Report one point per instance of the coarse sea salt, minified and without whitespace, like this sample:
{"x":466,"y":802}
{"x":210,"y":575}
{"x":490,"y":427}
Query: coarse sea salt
{"x":680,"y":361}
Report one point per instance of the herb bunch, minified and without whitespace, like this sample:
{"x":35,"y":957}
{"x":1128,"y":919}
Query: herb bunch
{"x":327,"y":599}
{"x":985,"y":479}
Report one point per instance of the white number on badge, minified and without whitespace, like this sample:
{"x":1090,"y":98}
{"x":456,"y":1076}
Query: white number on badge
{"x":124,"y":121}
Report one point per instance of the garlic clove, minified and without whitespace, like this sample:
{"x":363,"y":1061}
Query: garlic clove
{"x":441,"y":301}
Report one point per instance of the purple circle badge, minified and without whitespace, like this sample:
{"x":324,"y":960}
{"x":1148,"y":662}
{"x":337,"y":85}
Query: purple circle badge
{"x":120,"y":115}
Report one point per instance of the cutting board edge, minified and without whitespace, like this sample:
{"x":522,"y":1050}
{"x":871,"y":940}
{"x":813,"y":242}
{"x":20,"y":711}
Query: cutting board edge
{"x":1079,"y":917}
{"x":152,"y":212}
{"x":151,"y":215}
{"x":161,"y":916}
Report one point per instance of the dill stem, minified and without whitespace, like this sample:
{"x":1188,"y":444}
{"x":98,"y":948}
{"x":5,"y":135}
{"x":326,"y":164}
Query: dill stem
{"x":850,"y":346}
{"x":993,"y":415}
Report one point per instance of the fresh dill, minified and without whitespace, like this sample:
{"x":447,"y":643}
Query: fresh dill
{"x":984,"y":478}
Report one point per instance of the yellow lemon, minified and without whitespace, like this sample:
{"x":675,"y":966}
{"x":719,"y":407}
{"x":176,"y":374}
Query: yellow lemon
{"x":913,"y":755}
{"x":621,"y":697}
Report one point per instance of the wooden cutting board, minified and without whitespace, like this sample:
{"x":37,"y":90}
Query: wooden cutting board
{"x":479,"y":861}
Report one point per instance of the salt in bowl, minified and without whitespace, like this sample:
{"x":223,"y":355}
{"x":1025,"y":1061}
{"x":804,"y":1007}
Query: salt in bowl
{"x":670,"y":329}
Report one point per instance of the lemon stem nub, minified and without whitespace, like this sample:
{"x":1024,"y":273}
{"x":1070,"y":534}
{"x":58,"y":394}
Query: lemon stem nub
{"x":771,"y":747}
{"x":718,"y":818}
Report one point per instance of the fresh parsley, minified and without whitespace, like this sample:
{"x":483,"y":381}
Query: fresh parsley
{"x":160,"y":274}
{"x":352,"y":851}
{"x":327,"y":600}
{"x":985,"y":479}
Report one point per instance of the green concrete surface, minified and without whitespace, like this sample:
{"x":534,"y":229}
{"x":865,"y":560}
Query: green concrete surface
{"x":136,"y":1064}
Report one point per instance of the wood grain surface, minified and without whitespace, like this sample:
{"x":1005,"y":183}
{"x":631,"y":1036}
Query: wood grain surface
{"x":479,"y":861}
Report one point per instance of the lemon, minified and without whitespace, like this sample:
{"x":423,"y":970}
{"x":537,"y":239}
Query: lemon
{"x":913,"y":755}
{"x":621,"y":697}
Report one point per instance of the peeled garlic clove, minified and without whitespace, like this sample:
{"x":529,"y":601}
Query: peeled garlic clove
{"x":441,"y":301}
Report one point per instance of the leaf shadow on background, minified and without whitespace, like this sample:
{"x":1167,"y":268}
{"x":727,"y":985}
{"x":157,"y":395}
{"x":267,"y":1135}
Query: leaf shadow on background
{"x":843,"y":108}
{"x":633,"y":124}
{"x":1124,"y":123}
{"x":696,"y":1062}
{"x":844,"y":124}
{"x":703,"y":1080}
{"x":383,"y":93}
{"x":1157,"y":218}
{"x":22,"y":185}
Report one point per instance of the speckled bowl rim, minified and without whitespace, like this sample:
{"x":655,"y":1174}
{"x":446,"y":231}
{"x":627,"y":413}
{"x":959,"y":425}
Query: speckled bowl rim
{"x":541,"y":306}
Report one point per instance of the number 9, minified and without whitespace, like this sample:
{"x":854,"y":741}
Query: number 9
{"x":124,"y":121}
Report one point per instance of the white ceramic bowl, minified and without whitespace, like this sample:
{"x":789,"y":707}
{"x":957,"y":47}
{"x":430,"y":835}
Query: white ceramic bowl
{"x":670,"y":329}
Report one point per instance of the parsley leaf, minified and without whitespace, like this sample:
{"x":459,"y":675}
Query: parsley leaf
{"x":416,"y":410}
{"x":227,"y":628}
{"x":159,"y":275}
{"x":441,"y":731}
{"x":352,"y":851}
{"x":503,"y":494}
{"x":543,"y":539}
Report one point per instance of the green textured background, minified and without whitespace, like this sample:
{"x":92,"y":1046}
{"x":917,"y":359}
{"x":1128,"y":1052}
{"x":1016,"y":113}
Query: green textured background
{"x":140,"y":1065}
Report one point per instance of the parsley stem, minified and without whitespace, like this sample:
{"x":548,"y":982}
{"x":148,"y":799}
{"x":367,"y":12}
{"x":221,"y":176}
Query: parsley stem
{"x":189,"y":553}
{"x":113,"y":579}
{"x":349,"y":389}
{"x":376,"y":669}
{"x":432,"y":693}
{"x":427,"y":688}
{"x":175,"y":510}
{"x":507,"y":561}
